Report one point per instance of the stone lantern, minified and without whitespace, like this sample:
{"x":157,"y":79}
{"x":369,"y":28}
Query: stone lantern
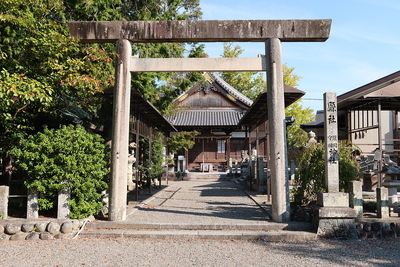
{"x":131,"y":160}
{"x":391,"y":183}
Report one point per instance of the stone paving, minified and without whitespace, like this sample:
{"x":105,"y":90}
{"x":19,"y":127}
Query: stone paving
{"x":199,"y":202}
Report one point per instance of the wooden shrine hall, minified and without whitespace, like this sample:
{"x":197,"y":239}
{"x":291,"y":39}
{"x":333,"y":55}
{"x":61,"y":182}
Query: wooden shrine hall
{"x":215,"y":111}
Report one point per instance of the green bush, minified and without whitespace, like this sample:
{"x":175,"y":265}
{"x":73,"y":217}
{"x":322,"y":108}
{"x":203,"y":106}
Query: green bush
{"x":310,"y":177}
{"x":69,"y":157}
{"x":157,"y":156}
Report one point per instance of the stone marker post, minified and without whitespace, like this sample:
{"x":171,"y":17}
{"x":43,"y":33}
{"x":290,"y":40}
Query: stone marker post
{"x":356,"y":199}
{"x":332,"y":211}
{"x":4,"y":192}
{"x":32,"y":211}
{"x":331,"y":143}
{"x":382,"y":202}
{"x":63,"y":207}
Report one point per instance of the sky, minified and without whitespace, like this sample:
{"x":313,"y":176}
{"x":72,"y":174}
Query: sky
{"x":364,"y":42}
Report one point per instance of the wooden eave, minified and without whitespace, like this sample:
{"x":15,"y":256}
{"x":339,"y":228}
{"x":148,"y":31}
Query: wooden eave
{"x":258,"y":112}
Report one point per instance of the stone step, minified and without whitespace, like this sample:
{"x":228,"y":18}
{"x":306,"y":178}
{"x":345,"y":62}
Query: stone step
{"x":268,"y":226}
{"x":207,"y":176}
{"x":279,"y":235}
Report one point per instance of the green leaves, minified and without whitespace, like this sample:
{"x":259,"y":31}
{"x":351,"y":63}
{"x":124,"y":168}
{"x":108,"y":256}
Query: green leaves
{"x":297,"y":137}
{"x":310,"y":177}
{"x":69,"y":157}
{"x":181,"y":141}
{"x":251,"y":84}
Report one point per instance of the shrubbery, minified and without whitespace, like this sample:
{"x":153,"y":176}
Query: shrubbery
{"x":69,"y":157}
{"x":310,"y":177}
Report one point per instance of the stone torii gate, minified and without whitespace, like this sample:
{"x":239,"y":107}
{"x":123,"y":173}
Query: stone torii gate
{"x":271,"y":32}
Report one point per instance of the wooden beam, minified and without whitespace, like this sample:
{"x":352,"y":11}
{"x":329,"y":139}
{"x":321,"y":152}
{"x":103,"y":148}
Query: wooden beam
{"x":317,"y":30}
{"x":197,"y":64}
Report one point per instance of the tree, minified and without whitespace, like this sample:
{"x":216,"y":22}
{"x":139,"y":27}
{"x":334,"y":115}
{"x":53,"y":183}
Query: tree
{"x":297,"y":137}
{"x":310,"y":177}
{"x":181,"y":141}
{"x":65,"y":158}
{"x":252,"y":83}
{"x":155,"y":167}
{"x":49,"y":78}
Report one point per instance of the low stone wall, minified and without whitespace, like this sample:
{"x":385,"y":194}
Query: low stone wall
{"x":366,"y":230}
{"x":40,"y":230}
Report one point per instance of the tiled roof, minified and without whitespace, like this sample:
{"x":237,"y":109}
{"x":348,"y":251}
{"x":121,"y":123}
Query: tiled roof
{"x":206,"y":117}
{"x":231,"y":90}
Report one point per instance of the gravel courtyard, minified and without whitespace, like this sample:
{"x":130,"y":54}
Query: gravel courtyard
{"x":139,"y":252}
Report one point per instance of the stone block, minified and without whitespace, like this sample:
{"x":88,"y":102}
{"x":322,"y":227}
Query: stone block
{"x":333,"y":199}
{"x":4,"y":192}
{"x":33,"y":236}
{"x":338,"y":227}
{"x":18,"y":237}
{"x":12,"y":228}
{"x":334,"y":212}
{"x":41,"y":226}
{"x":27,"y":227}
{"x":53,"y":228}
{"x":66,"y":227}
{"x":334,"y":221}
{"x":45,"y":236}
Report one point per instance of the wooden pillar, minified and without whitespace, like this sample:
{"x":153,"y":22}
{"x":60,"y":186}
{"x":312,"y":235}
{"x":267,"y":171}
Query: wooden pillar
{"x":186,"y":160}
{"x":120,"y":132}
{"x":379,"y":118}
{"x":150,"y":158}
{"x":228,"y":152}
{"x":276,"y":121}
{"x":137,"y":140}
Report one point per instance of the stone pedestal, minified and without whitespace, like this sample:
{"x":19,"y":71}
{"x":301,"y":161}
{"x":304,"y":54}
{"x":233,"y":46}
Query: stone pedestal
{"x":332,"y":215}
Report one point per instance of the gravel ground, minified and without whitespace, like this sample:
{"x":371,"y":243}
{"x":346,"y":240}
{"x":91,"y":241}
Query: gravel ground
{"x":139,"y":252}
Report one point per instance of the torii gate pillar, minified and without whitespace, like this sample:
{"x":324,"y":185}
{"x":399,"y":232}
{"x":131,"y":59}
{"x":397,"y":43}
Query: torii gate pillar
{"x":276,"y":123}
{"x":120,"y":132}
{"x":272,"y":32}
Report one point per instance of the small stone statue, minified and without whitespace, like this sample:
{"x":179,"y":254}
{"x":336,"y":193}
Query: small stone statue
{"x":312,"y":140}
{"x":245,"y":156}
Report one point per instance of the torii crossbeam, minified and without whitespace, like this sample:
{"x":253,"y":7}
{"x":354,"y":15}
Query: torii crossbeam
{"x":272,"y":32}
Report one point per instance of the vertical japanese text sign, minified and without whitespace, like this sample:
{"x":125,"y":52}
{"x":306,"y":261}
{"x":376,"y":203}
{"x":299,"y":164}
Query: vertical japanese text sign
{"x":331,"y":143}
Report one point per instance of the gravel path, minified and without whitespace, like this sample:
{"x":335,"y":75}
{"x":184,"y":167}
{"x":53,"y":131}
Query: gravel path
{"x":139,"y":252}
